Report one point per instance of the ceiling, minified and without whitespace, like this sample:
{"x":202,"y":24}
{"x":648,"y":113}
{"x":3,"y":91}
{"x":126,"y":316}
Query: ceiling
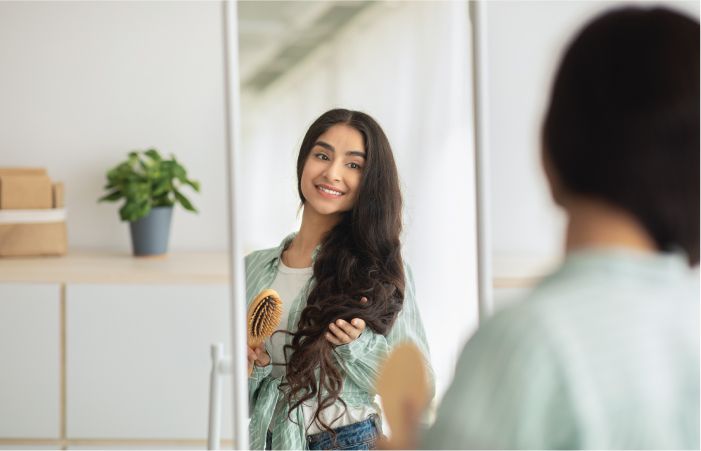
{"x":274,"y":36}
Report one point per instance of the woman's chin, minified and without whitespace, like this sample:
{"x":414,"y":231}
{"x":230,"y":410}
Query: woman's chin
{"x":328,"y":212}
{"x":325,"y":210}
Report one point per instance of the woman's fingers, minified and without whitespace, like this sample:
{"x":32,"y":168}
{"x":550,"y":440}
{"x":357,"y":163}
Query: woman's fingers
{"x":339,"y":333}
{"x":345,"y":332}
{"x":258,"y":355}
{"x":260,"y":348}
{"x":359,"y":324}
{"x":251,"y":354}
{"x":262,"y":356}
{"x":342,"y":332}
{"x":352,"y":329}
{"x":332,"y":339}
{"x":251,"y":359}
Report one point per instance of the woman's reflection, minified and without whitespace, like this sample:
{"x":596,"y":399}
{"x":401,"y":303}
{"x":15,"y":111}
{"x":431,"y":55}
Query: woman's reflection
{"x":348,"y":297}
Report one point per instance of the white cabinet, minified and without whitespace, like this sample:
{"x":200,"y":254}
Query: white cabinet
{"x":102,"y":350}
{"x":30,"y":360}
{"x":138,"y":360}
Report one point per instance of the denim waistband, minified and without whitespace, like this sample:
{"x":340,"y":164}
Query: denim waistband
{"x":349,"y":436}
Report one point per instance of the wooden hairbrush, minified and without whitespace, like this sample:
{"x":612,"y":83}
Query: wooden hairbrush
{"x":263,"y":317}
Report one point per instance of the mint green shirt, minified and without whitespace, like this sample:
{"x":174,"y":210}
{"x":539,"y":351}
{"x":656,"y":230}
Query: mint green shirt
{"x":360,"y":359}
{"x":603,"y":354}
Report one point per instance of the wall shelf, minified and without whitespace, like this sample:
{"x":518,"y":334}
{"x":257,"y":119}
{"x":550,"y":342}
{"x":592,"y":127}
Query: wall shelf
{"x":91,"y":266}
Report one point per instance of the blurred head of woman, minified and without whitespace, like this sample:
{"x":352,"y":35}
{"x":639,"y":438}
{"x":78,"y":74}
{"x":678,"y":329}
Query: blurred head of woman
{"x":622,"y":124}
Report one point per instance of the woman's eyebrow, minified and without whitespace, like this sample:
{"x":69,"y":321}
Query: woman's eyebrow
{"x":325,"y":145}
{"x":356,"y":153}
{"x":331,"y":148}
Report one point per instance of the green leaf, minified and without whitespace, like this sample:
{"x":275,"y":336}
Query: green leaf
{"x":137,"y":189}
{"x":153,"y":155}
{"x":111,"y":197}
{"x":163,"y":201}
{"x":112,"y":174}
{"x":133,"y":159}
{"x":161,"y":187}
{"x":143,"y":209}
{"x":184,"y":201}
{"x":180,"y":172}
{"x":127,"y":211}
{"x":194,"y":184}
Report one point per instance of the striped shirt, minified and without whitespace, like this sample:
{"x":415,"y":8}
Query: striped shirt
{"x":360,"y":359}
{"x":603,"y":354}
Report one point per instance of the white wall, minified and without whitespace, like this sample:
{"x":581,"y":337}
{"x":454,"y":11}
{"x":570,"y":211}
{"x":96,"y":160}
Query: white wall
{"x":83,"y":83}
{"x":525,"y":40}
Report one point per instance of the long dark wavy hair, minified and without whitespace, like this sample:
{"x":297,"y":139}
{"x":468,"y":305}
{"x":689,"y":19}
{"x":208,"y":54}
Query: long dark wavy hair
{"x":359,"y":257}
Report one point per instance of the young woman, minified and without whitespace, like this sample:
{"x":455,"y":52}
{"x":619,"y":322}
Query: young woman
{"x":347,"y":295}
{"x":604,"y":353}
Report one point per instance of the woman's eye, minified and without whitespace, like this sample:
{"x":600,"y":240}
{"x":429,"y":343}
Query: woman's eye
{"x":322,"y":156}
{"x":354,"y":166}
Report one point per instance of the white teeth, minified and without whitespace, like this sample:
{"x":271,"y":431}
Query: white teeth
{"x":326,"y":190}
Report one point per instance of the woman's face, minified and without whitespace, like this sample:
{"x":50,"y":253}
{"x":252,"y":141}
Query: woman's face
{"x":332,"y":172}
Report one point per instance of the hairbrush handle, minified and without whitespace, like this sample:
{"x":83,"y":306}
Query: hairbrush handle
{"x":403,"y":386}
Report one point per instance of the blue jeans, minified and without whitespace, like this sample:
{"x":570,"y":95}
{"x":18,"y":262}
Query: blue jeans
{"x":360,"y":435}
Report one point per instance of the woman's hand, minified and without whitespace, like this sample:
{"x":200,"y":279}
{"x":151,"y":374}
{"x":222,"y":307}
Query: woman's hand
{"x":342,"y":332}
{"x":257,"y":356}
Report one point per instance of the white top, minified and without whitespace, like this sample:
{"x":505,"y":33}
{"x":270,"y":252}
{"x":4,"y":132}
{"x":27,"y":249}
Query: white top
{"x":288,"y":283}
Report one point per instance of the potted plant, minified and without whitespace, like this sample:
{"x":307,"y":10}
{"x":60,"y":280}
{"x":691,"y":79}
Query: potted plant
{"x":150,"y":186}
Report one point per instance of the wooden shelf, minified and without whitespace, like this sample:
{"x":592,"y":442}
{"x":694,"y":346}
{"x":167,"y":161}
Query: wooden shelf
{"x":88,"y":266}
{"x":91,"y":266}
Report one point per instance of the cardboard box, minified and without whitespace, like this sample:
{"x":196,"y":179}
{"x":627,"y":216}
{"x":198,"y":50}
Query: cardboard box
{"x":57,"y":195}
{"x":23,"y":171}
{"x":33,"y":239}
{"x":32,"y":218}
{"x":25,"y":191}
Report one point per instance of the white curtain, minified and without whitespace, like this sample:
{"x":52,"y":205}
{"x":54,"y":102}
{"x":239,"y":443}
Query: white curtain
{"x":408,"y":65}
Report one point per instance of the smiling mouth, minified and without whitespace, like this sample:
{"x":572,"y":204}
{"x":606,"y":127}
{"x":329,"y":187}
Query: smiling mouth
{"x":328,"y":190}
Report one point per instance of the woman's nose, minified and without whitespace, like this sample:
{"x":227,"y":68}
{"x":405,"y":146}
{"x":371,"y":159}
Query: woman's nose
{"x":333,"y":172}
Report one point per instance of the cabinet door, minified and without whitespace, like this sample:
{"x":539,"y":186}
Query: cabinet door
{"x":138,"y":360}
{"x":30,"y":361}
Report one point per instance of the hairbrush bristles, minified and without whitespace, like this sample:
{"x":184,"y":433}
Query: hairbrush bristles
{"x":263,"y":317}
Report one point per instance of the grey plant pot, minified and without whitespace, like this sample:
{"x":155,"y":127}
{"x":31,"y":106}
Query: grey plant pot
{"x":149,"y":235}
